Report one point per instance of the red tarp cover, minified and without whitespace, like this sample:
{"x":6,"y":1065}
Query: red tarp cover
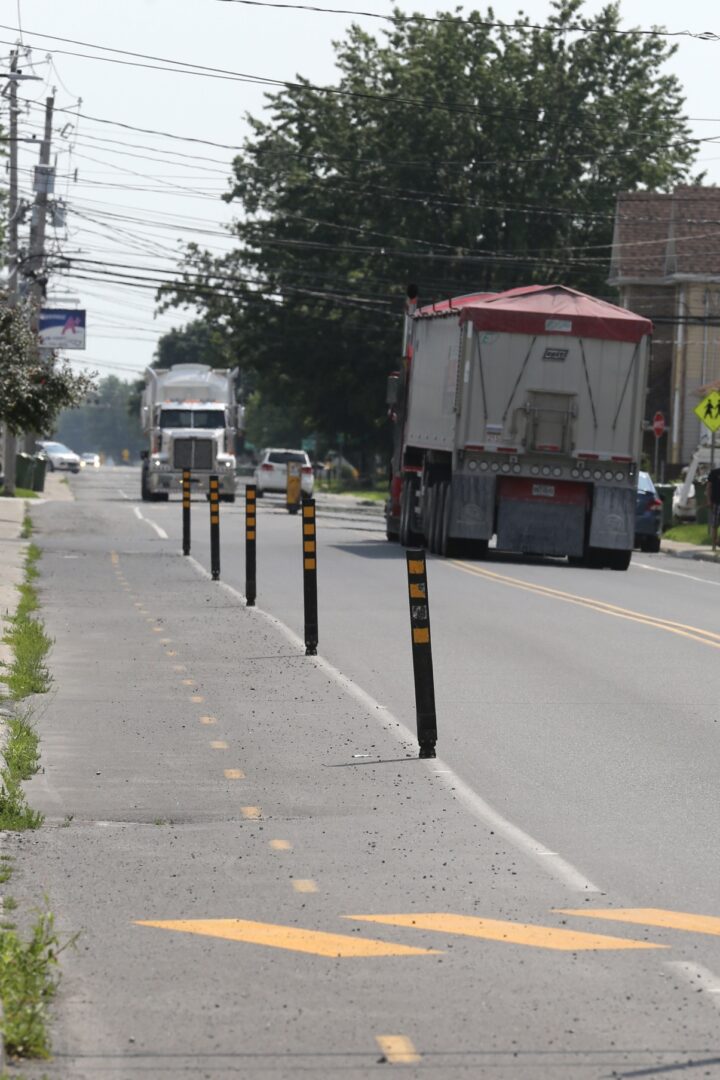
{"x":444,"y":307}
{"x":553,"y":309}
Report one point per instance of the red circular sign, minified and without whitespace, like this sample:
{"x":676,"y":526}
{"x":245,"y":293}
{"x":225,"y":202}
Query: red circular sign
{"x":658,"y":424}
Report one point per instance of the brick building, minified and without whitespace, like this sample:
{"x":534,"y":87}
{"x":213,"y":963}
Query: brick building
{"x":666,"y":265}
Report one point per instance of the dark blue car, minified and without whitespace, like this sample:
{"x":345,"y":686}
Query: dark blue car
{"x":648,"y":515}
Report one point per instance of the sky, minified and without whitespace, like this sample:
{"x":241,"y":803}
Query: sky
{"x":135,"y":198}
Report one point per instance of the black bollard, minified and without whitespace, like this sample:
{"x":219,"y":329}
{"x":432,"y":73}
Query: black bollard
{"x":186,"y":511}
{"x":250,"y":531}
{"x":310,"y":577}
{"x":214,"y":528}
{"x":422,"y":653}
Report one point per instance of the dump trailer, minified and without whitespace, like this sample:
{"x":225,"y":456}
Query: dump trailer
{"x":519,"y":415}
{"x":192,"y":421}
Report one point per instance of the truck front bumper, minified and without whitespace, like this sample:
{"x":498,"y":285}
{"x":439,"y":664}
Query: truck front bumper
{"x":168,"y":480}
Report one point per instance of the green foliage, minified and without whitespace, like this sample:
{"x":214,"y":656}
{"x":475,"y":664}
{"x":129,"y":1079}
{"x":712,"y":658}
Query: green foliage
{"x":105,"y":423}
{"x":34,"y":387}
{"x":459,"y":156}
{"x":689,"y":534}
{"x":28,"y":983}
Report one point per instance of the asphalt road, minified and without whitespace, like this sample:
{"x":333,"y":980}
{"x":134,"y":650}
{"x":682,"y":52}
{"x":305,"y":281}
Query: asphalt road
{"x":266,"y":880}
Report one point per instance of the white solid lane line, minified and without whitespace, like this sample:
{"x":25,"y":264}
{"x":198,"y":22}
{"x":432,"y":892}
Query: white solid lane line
{"x":161,"y":532}
{"x":550,"y":861}
{"x":674,"y":573}
{"x":700,"y":978}
{"x":123,"y":493}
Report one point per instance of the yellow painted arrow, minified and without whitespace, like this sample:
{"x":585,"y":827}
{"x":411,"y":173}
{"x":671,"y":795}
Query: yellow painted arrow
{"x":287,"y":937}
{"x":671,"y":920}
{"x":541,"y":937}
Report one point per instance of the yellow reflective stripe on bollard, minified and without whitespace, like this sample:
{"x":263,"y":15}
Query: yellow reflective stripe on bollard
{"x":309,"y":545}
{"x":416,"y":566}
{"x":421,"y":636}
{"x":250,"y":536}
{"x":309,"y":564}
{"x":417,"y":592}
{"x":308,"y":511}
{"x":309,"y":530}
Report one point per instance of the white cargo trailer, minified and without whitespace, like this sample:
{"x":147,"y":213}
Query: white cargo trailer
{"x":189,"y":414}
{"x":519,"y":416}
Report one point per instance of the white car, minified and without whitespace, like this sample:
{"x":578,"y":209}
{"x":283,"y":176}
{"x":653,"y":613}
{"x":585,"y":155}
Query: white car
{"x":91,"y":460}
{"x":59,"y":456}
{"x":271,"y":471}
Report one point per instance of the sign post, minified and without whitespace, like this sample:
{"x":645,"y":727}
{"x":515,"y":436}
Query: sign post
{"x":709,"y":412}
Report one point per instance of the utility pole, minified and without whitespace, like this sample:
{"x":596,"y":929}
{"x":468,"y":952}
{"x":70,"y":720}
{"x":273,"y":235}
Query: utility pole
{"x":9,"y":444}
{"x":44,"y":179}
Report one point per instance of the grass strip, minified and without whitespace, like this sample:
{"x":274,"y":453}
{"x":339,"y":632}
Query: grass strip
{"x":689,"y":534}
{"x":20,"y":493}
{"x":26,"y":675}
{"x":28,"y":983}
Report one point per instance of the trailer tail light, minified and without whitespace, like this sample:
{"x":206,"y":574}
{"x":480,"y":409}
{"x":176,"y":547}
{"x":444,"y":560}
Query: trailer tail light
{"x":266,"y":467}
{"x":589,"y":457}
{"x":621,"y":457}
{"x":306,"y":470}
{"x":548,"y":448}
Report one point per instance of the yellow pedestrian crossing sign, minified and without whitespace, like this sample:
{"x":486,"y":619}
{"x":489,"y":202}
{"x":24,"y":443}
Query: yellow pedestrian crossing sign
{"x":709,"y":410}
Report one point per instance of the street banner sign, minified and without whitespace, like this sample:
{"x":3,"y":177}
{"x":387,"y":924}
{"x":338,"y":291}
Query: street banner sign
{"x":709,"y":410}
{"x":61,"y":328}
{"x":658,"y":424}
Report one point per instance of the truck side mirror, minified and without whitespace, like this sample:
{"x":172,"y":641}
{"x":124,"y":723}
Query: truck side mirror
{"x":392,"y":394}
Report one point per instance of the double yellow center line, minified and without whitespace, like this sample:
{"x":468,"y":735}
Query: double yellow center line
{"x":693,"y":633}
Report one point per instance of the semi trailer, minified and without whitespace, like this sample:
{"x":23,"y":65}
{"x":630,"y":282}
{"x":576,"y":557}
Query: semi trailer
{"x":518,"y":416}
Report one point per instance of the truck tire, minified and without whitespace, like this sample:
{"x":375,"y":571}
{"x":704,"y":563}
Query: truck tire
{"x":618,"y":560}
{"x":408,"y":536}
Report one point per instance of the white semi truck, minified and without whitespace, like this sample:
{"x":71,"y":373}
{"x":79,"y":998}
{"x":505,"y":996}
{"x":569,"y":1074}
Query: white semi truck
{"x":190,"y":416}
{"x":519,"y":416}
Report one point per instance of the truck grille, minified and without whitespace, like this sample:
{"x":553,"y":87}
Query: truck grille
{"x":193,"y":454}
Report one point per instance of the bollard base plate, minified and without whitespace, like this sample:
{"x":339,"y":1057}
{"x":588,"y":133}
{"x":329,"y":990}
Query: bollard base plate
{"x":311,"y":650}
{"x":250,"y":603}
{"x":427,"y":750}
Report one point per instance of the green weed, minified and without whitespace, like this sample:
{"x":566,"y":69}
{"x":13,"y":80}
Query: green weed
{"x":28,"y":982}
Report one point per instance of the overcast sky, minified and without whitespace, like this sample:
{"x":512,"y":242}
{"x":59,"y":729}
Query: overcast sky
{"x":136,"y":200}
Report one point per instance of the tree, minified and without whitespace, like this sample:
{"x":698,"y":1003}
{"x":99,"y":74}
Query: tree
{"x":456,"y":152}
{"x":34,"y":386}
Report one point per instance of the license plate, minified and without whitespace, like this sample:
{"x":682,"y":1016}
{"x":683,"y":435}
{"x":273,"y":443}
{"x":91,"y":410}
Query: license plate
{"x":544,"y":491}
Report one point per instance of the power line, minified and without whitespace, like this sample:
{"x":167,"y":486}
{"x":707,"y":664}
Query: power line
{"x":400,"y":17}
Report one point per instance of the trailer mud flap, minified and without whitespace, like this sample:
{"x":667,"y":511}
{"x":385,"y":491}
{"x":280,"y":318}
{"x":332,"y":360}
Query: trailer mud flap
{"x":541,"y":518}
{"x":613,"y":518}
{"x":473,"y":507}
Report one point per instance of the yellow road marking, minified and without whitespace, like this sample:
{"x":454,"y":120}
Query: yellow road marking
{"x":114,"y":558}
{"x":234,"y":774}
{"x":138,"y":603}
{"x":281,"y":845}
{"x":157,"y":629}
{"x":304,"y":885}
{"x":188,"y":682}
{"x":166,"y":641}
{"x":316,"y":942}
{"x":398,"y":1049}
{"x":672,"y":920}
{"x":208,"y":720}
{"x":250,"y":812}
{"x":172,"y":652}
{"x":218,"y":744}
{"x":179,"y":667}
{"x":693,"y":633}
{"x":197,"y":699}
{"x":541,"y":937}
{"x":149,"y":619}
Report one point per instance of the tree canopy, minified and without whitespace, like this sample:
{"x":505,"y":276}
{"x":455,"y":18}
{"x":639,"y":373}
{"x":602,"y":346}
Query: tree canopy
{"x":34,"y":386}
{"x":451,"y":153}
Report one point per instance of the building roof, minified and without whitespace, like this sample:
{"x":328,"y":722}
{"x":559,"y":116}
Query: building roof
{"x":555,"y":309}
{"x":666,"y":234}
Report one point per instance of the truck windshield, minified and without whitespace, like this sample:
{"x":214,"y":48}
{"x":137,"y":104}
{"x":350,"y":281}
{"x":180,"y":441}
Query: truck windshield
{"x":205,"y":419}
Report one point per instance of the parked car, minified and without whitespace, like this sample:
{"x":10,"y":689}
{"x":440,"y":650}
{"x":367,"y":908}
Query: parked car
{"x":92,"y":461}
{"x":59,"y":456}
{"x":686,"y":511}
{"x":648,"y":515}
{"x":271,"y":471}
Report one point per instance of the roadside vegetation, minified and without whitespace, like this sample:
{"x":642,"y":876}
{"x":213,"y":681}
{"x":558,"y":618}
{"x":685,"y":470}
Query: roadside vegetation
{"x":29,"y":958}
{"x":689,"y":534}
{"x":20,"y":493}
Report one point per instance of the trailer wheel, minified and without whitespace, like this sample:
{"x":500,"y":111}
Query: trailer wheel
{"x":618,"y":560}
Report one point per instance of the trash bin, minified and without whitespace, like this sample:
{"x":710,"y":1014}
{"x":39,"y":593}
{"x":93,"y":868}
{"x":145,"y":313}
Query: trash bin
{"x":701,"y":514}
{"x":665,"y":492}
{"x":39,"y":466}
{"x":24,"y":471}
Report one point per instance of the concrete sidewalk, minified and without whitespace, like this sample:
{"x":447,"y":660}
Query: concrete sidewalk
{"x":689,"y":551}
